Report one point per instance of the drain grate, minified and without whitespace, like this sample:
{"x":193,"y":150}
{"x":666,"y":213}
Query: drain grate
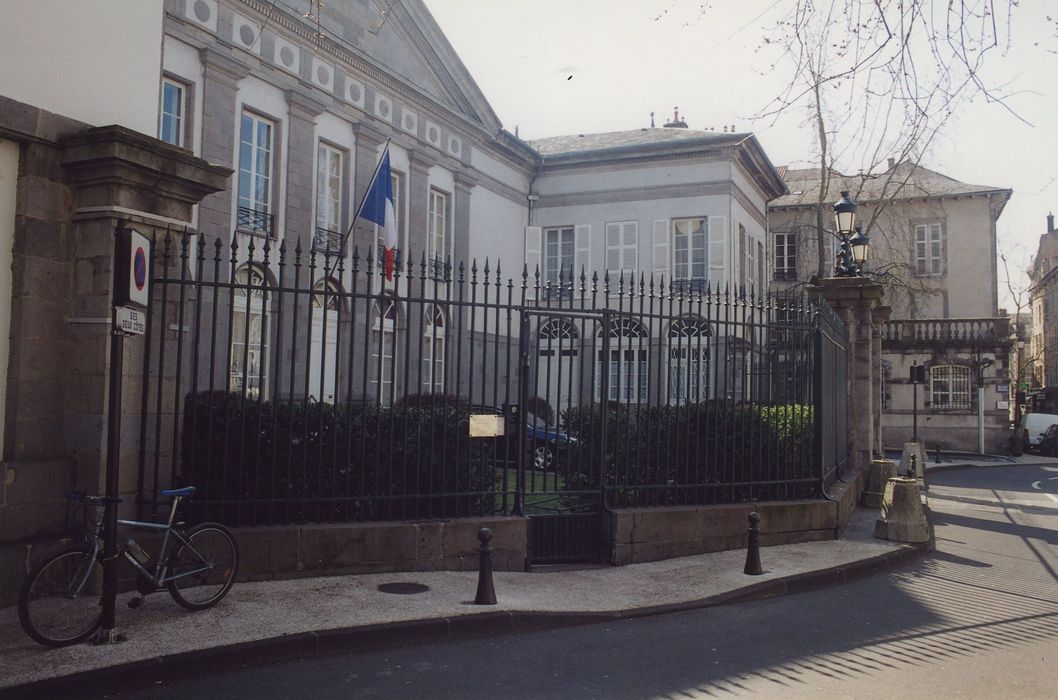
{"x":403,"y":588}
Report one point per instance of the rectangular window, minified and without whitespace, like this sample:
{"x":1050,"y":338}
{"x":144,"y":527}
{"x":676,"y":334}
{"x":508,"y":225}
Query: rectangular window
{"x":627,"y":371}
{"x":558,"y":254}
{"x":949,"y":387}
{"x":328,"y":197}
{"x":929,"y":250}
{"x":171,"y":118}
{"x":786,"y":256}
{"x":689,"y":249}
{"x":437,"y":244}
{"x":255,"y":174}
{"x":622,"y":246}
{"x":749,"y":248}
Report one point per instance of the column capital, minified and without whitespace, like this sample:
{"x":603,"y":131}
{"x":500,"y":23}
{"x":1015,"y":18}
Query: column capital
{"x":465,"y":181}
{"x":850,"y":292}
{"x":222,"y":67}
{"x":303,"y":105}
{"x":368,"y":136}
{"x":420,"y":161}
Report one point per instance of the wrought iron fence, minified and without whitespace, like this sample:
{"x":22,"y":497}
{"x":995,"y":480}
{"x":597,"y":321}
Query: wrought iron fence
{"x":297,"y":385}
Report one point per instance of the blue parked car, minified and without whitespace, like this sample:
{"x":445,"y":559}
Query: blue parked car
{"x":545,"y":443}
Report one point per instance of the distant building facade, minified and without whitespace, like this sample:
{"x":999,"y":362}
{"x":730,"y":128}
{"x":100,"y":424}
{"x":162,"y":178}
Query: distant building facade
{"x":933,"y":244}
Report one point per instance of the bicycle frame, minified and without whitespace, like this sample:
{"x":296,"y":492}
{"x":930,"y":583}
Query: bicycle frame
{"x":161,"y":565}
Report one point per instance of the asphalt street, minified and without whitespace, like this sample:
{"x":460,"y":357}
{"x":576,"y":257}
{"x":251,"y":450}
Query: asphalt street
{"x":977,"y":618}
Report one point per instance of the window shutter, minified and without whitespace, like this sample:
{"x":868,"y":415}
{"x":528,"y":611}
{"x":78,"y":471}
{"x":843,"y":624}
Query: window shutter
{"x":661,"y":249}
{"x":533,"y":237}
{"x":717,"y":251}
{"x":581,"y":251}
{"x":613,"y":247}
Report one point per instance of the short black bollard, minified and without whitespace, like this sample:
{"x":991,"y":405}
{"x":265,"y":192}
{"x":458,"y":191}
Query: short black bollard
{"x":486,"y":591}
{"x":912,"y":467}
{"x":753,"y":550}
{"x":938,"y":454}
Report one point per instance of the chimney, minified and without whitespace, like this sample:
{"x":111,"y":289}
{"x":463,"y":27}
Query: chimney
{"x":1050,"y":222}
{"x":892,"y":163}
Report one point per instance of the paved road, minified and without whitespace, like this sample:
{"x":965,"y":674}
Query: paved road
{"x":978,"y":618}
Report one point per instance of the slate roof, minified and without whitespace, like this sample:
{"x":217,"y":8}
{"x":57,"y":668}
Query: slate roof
{"x":907,"y":180}
{"x":636,"y":139}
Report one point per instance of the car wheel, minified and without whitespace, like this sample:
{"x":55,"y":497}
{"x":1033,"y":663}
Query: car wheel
{"x":543,"y":458}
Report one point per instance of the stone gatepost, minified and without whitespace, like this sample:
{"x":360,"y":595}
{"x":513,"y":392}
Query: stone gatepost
{"x":858,"y":302}
{"x":75,"y":184}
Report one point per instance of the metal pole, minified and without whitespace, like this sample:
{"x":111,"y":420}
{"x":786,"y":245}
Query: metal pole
{"x":110,"y":514}
{"x":980,"y":419}
{"x":914,"y":415}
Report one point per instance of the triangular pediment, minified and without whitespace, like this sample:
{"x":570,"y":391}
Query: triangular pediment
{"x":401,"y":38}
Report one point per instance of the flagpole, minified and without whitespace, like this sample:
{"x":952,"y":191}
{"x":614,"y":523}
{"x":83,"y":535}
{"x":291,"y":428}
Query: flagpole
{"x":360,"y":209}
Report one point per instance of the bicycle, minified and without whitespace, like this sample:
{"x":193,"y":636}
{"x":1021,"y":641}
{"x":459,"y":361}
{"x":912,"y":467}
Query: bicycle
{"x":60,"y":602}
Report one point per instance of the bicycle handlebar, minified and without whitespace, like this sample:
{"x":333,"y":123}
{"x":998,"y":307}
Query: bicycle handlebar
{"x":94,"y":500}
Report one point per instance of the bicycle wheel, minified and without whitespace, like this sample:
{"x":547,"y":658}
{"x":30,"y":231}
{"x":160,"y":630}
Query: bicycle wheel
{"x":214,"y":551}
{"x":59,"y":603}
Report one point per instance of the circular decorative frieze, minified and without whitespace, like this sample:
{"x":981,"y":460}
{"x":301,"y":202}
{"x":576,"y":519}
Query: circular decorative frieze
{"x":355,"y":93}
{"x":383,"y":109}
{"x":202,"y":11}
{"x":246,"y":35}
{"x":322,"y":74}
{"x":286,"y":55}
{"x":432,"y":134}
{"x":409,"y":123}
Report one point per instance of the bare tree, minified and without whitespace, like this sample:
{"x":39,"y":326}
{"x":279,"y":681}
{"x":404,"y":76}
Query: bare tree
{"x":879,"y":80}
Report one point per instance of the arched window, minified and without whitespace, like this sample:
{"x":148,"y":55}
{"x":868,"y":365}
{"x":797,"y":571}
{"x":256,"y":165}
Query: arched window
{"x":323,"y":349}
{"x":949,"y":387}
{"x":557,"y":367}
{"x":384,"y":317}
{"x":433,"y":349}
{"x":249,"y":333}
{"x":689,"y":360}
{"x":626,"y":366}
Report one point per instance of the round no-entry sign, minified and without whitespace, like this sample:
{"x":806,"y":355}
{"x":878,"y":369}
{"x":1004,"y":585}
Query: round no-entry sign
{"x":132,"y":268}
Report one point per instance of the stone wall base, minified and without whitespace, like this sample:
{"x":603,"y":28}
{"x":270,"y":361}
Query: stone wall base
{"x":639,"y":535}
{"x":650,"y":534}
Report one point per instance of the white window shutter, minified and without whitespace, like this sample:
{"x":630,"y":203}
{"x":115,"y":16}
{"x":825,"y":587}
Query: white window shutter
{"x":662,"y":255}
{"x":581,"y":251}
{"x":717,"y":251}
{"x":533,"y":238}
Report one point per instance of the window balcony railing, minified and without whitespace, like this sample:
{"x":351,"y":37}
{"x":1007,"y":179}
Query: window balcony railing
{"x":694,"y":284}
{"x":785,"y":274}
{"x":258,"y":221}
{"x":326,"y":240}
{"x":438,"y":269}
{"x":947,"y":330}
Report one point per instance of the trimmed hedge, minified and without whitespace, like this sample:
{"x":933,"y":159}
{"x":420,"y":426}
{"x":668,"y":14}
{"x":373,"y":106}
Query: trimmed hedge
{"x":710,"y":452}
{"x":266,"y":462}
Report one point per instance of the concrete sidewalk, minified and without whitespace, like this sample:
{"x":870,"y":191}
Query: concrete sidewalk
{"x":264,"y":621}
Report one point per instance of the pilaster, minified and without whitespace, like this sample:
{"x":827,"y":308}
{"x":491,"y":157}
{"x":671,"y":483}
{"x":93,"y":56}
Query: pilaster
{"x":220,"y":82}
{"x":299,"y":220}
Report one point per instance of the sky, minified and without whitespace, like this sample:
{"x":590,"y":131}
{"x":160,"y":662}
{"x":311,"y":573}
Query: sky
{"x":554,"y":67}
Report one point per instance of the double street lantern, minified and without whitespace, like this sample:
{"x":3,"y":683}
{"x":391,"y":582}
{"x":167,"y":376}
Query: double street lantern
{"x":853,"y":251}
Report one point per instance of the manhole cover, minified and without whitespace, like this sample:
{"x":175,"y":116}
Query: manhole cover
{"x":403,"y":588}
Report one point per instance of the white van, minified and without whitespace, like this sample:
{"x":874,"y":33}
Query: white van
{"x":1032,"y":427}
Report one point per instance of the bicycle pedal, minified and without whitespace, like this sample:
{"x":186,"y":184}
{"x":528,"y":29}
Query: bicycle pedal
{"x":134,"y":603}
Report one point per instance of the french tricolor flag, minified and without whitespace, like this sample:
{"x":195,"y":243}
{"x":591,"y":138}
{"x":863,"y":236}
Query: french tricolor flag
{"x":378,"y":208}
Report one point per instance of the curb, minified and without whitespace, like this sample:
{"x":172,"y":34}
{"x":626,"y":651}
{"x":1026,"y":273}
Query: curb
{"x":135,"y":674}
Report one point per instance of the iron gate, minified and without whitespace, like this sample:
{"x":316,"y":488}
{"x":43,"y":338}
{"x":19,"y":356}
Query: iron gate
{"x":561,"y":485}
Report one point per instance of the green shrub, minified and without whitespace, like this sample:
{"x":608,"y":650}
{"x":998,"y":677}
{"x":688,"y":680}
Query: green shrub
{"x":281,"y":461}
{"x":709,"y":452}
